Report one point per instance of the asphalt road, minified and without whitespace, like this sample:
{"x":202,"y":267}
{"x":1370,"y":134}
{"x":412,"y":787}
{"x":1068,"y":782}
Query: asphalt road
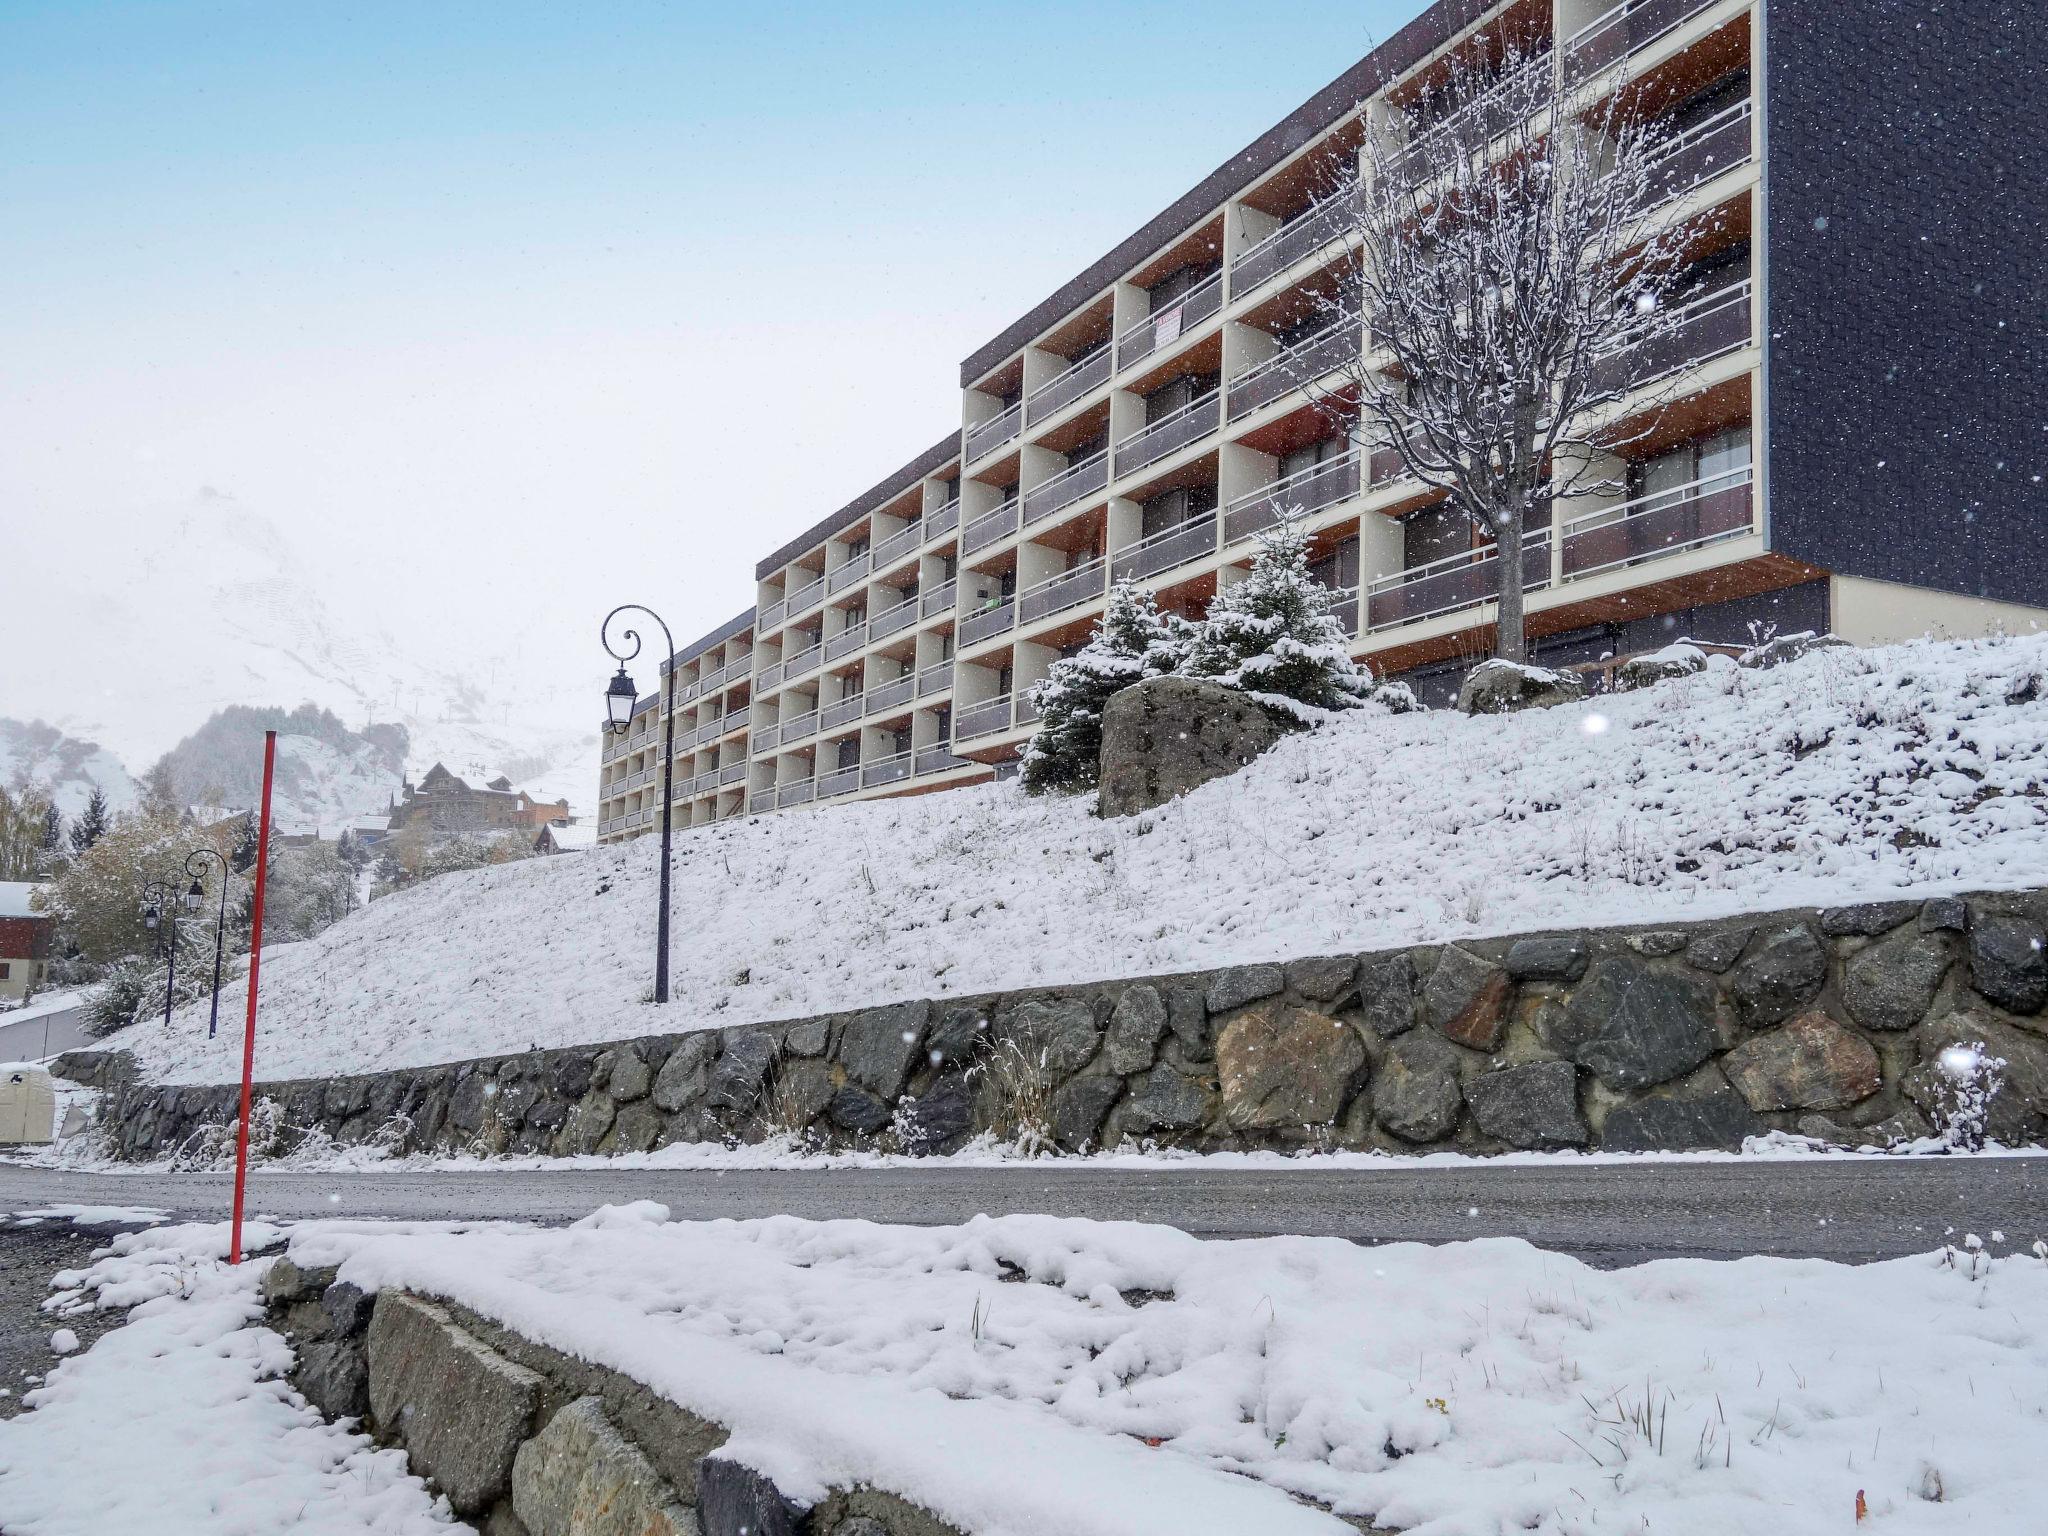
{"x":1609,"y":1214}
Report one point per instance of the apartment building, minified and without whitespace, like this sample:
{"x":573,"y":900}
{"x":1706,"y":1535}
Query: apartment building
{"x":1858,"y":442}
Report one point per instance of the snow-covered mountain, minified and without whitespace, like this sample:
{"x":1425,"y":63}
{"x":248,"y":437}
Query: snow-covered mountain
{"x":134,"y":648}
{"x":32,"y":750}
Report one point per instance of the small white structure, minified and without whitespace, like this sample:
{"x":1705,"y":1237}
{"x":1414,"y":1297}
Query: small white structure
{"x":28,"y":1104}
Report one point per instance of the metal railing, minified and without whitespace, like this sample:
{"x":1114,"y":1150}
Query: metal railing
{"x":804,"y":596}
{"x":848,"y":640}
{"x":797,"y":727}
{"x":886,"y":770}
{"x":848,"y":572}
{"x":983,"y":719}
{"x":896,"y":691}
{"x":936,"y":678}
{"x":1175,"y":430}
{"x":994,"y":619}
{"x":802,"y":662}
{"x":1686,"y":517}
{"x":839,"y":713}
{"x":938,"y":600}
{"x":840,"y":781}
{"x":1027,"y":708}
{"x":985,"y":438}
{"x":770,"y":615}
{"x":1303,"y":493}
{"x":734,"y":719}
{"x":990,"y":527}
{"x":1321,"y":224}
{"x":1457,"y":581}
{"x":769,"y":679}
{"x":1177,"y":318}
{"x":1069,"y":589}
{"x":1070,"y":485}
{"x":938,"y":758}
{"x":1694,"y":333}
{"x":732,"y":773}
{"x":765,"y":736}
{"x":1067,"y":386}
{"x":1695,"y":157}
{"x":1344,"y":608}
{"x":800,"y":793}
{"x":900,"y":543}
{"x":1165,"y":549}
{"x":1475,"y":124}
{"x":1628,"y":28}
{"x":1281,"y":374}
{"x":761,"y":800}
{"x":896,"y":616}
{"x":945,"y":520}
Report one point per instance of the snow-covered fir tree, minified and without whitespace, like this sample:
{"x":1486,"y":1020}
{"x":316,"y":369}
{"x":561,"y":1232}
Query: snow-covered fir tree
{"x":92,"y":822}
{"x":1133,"y":640}
{"x":1273,"y":634}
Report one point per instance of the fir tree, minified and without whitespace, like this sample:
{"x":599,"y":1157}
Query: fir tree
{"x":92,"y":822}
{"x":242,"y":856}
{"x":53,"y":836}
{"x":1133,"y":640}
{"x":1273,"y":634}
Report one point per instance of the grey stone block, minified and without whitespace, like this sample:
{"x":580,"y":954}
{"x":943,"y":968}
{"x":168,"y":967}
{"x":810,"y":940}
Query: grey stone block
{"x":1079,"y":1108}
{"x":1945,"y":914}
{"x":880,"y":1046}
{"x":1634,"y":1025}
{"x":1166,"y":1100}
{"x":1717,"y":951}
{"x":333,"y":1376}
{"x":855,"y":1109}
{"x":1416,"y":1094}
{"x":587,"y":1124}
{"x":808,"y":1038}
{"x":1386,"y":994}
{"x":1868,"y":920}
{"x":1057,"y":1036}
{"x":1892,"y":984}
{"x":1467,"y":999}
{"x":2009,"y":962}
{"x":637,"y":1127}
{"x":955,"y":1038}
{"x":1550,"y":957}
{"x":735,"y":1500}
{"x":1658,"y":943}
{"x":802,"y":1090}
{"x":681,"y":1080}
{"x":1783,"y":974}
{"x":1534,"y":1107}
{"x":1810,"y":1063}
{"x":1135,"y":1026}
{"x":348,"y":1307}
{"x":630,"y":1077}
{"x":1716,"y":1121}
{"x":1284,"y":1065}
{"x":1243,"y":984}
{"x":938,"y":1119}
{"x":581,"y":1477}
{"x":734,"y":1082}
{"x":1324,"y":978}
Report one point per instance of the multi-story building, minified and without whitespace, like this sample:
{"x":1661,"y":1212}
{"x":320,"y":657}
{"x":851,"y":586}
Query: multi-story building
{"x":1857,"y":445}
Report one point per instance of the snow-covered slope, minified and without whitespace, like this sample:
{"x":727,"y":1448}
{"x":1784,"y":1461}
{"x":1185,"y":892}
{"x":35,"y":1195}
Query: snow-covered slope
{"x":32,"y":751}
{"x":1846,"y":774}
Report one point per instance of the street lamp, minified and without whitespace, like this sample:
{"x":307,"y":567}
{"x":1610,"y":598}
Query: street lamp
{"x":193,"y":899}
{"x":619,"y":697}
{"x":162,"y":911}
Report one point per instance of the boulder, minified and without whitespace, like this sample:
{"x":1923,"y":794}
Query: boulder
{"x":581,"y":1477}
{"x":1549,"y":957}
{"x":1166,"y":1100}
{"x":459,"y":1406}
{"x":1285,"y":1065}
{"x":802,"y":1090}
{"x":857,"y":1110}
{"x":1810,"y":1063}
{"x":1658,"y":943}
{"x":1892,"y":984}
{"x":1869,"y":920}
{"x":1782,"y":975}
{"x":586,"y":1126}
{"x":1905,"y":1126}
{"x":630,"y":1076}
{"x":636,"y":1127}
{"x":954,"y":1039}
{"x":939,"y":1119}
{"x":880,"y":1046}
{"x":1681,"y":659}
{"x":2025,"y":1054}
{"x":2009,"y":962}
{"x":1634,"y":1024}
{"x":1533,"y":1107}
{"x":348,"y":1307}
{"x":807,"y":1038}
{"x":1386,"y":996}
{"x":1188,"y":1017}
{"x":1135,"y":1025}
{"x":1716,"y":951}
{"x":1323,"y":978}
{"x":1168,"y":735}
{"x":1501,"y":687}
{"x":734,"y":1081}
{"x":1708,"y":1122}
{"x":1415,"y":1094}
{"x":735,"y":1500}
{"x":1059,"y":1037}
{"x":680,"y":1082}
{"x":1783,"y":648}
{"x":1467,"y":999}
{"x":570,"y":1072}
{"x":1244,"y":984}
{"x":1945,"y":914}
{"x":1080,"y":1107}
{"x":287,"y":1281}
{"x":333,"y":1376}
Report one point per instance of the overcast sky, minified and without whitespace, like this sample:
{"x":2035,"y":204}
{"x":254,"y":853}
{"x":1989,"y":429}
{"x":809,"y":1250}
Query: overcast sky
{"x":520,"y":310}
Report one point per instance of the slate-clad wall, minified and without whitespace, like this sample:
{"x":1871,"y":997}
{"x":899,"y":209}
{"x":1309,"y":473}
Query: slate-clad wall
{"x":1826,"y":1022}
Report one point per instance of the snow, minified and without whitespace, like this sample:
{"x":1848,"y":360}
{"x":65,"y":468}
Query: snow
{"x":14,"y":898}
{"x":180,"y":1423}
{"x":43,"y":1002}
{"x":63,"y":1342}
{"x":1816,"y":782}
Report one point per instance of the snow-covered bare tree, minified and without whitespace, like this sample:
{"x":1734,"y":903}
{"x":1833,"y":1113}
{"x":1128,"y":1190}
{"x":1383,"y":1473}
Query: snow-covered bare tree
{"x":1509,"y":248}
{"x":1132,"y":641}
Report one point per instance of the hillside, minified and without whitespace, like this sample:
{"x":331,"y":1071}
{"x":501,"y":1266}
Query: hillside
{"x":32,"y":751}
{"x":1842,"y":776}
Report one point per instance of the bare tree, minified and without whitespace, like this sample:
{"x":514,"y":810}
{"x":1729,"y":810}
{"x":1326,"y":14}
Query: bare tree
{"x":1509,"y":252}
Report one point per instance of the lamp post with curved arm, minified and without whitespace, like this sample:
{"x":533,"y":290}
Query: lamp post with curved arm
{"x":193,"y":897}
{"x":162,"y":910}
{"x":619,"y":699}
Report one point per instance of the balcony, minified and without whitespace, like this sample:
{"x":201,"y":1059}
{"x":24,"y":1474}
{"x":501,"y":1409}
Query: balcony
{"x":1171,"y":432}
{"x":1303,"y":363}
{"x":1168,"y":324}
{"x":989,"y":528}
{"x":732,"y":773}
{"x":770,"y":615}
{"x":938,"y":600}
{"x":770,"y":678}
{"x":843,"y":576}
{"x":983,"y":719}
{"x":1650,"y":527}
{"x":897,"y":616}
{"x":1162,"y":551}
{"x":892,"y":694}
{"x":761,"y":800}
{"x":938,"y":758}
{"x":986,"y":438}
{"x":847,"y":709}
{"x":1474,"y":125}
{"x":1064,"y":388}
{"x":797,"y":727}
{"x":885,"y":770}
{"x":1069,"y":589}
{"x":840,"y":781}
{"x":1447,"y":585}
{"x":984,"y":623}
{"x":1027,"y":709}
{"x":945,"y":520}
{"x":1344,"y":608}
{"x":935,"y":679}
{"x":764,"y":737}
{"x":1687,"y":337}
{"x":903,"y":541}
{"x":794,"y":794}
{"x":1327,"y":221}
{"x":1695,"y":157}
{"x":1628,"y":28}
{"x":847,"y":641}
{"x":735,"y":720}
{"x":1301,"y":494}
{"x":803,"y":661}
{"x":805,"y":596}
{"x":1074,"y":483}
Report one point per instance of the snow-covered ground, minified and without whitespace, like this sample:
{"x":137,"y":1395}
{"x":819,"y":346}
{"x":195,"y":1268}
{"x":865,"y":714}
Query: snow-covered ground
{"x":1846,"y":775}
{"x":1035,"y":1374}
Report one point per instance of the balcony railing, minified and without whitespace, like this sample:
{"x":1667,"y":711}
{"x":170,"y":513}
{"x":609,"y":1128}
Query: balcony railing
{"x":795,"y":794}
{"x":983,"y":719}
{"x":1704,"y":512}
{"x":735,"y":719}
{"x":803,"y":661}
{"x":840,"y":781}
{"x":989,"y":528}
{"x":988,"y":436}
{"x":1457,"y":581}
{"x":895,"y":692}
{"x":935,"y":679}
{"x":1027,"y":709}
{"x":1165,"y":549}
{"x":1171,"y":432}
{"x":845,"y":575}
{"x":1306,"y":361}
{"x":897,"y":616}
{"x":848,"y":708}
{"x":938,"y":758}
{"x":945,"y":520}
{"x":1344,"y":609}
{"x":761,"y":800}
{"x":1695,"y":157}
{"x":1628,"y":28}
{"x":797,"y":727}
{"x":770,"y":616}
{"x":769,"y":678}
{"x":1474,"y":125}
{"x":900,"y":543}
{"x":804,"y":597}
{"x":1067,"y":386}
{"x":1325,"y":222}
{"x":1173,"y":320}
{"x":885,"y":770}
{"x":938,"y":600}
{"x":732,"y":773}
{"x":764,"y":737}
{"x":1070,"y":485}
{"x":847,"y":641}
{"x":994,"y":619}
{"x":1069,"y":589}
{"x":1686,"y":337}
{"x":1301,"y":494}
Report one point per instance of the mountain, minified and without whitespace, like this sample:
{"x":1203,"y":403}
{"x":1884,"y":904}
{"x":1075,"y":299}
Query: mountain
{"x":38,"y":752}
{"x":130,"y":649}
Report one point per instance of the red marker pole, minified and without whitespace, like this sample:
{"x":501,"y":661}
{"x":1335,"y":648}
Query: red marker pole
{"x":249,"y":1030}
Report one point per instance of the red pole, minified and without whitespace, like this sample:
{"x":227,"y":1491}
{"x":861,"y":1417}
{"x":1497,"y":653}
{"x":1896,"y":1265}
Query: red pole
{"x":249,"y":1030}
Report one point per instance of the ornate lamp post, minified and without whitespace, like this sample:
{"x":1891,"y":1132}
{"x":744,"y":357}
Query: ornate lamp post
{"x":161,"y":912}
{"x":195,"y":897}
{"x":619,"y":697}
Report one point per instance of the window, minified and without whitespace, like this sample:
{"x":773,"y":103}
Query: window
{"x":855,"y":548}
{"x":1175,"y":508}
{"x":1713,"y":458}
{"x":1435,"y":534}
{"x":6,"y":970}
{"x":1308,"y":458}
{"x":846,"y":753}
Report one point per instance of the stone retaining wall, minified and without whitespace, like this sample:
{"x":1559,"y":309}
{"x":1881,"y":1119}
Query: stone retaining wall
{"x":527,"y":1441}
{"x":1828,"y":1023}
